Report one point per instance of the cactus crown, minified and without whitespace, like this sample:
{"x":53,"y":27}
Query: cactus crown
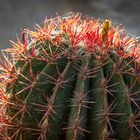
{"x":71,"y":79}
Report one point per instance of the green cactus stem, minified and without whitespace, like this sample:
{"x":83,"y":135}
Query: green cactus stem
{"x":72,"y":79}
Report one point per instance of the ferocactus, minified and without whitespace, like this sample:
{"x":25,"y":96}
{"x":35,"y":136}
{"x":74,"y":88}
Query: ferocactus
{"x":72,"y":79}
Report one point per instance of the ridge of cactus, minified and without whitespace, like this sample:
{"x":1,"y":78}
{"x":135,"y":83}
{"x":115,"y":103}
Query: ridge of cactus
{"x":74,"y":78}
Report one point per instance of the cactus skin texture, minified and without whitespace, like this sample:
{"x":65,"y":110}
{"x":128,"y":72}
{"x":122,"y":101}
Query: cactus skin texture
{"x":72,"y":79}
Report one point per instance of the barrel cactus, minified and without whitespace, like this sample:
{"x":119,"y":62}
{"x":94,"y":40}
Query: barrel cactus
{"x":72,"y":79}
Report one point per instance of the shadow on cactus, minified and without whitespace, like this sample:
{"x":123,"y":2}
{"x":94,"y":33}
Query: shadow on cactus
{"x":72,"y":79}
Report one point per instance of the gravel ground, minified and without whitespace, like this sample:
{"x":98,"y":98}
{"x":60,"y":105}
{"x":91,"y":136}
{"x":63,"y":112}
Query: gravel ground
{"x":16,"y":15}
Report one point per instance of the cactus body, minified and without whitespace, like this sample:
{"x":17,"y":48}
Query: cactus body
{"x":73,"y":79}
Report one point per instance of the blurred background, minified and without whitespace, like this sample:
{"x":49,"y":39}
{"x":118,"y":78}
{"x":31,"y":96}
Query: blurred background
{"x":16,"y":15}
